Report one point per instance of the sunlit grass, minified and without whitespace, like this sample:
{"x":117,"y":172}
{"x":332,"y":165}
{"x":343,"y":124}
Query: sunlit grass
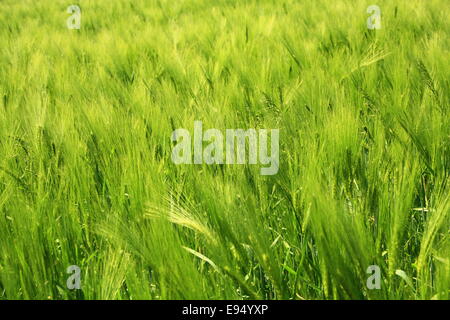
{"x":86,"y":176}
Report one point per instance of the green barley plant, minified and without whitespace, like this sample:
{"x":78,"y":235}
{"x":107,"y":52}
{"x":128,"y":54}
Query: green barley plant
{"x":87,"y":180}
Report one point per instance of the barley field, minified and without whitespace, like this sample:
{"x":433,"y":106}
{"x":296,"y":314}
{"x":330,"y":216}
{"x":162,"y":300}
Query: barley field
{"x":359,"y":207}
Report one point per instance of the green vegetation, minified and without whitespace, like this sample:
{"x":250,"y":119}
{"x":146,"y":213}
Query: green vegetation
{"x":86,"y":176}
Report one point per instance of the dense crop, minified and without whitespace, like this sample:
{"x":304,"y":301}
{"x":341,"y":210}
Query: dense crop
{"x":86,"y":176}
